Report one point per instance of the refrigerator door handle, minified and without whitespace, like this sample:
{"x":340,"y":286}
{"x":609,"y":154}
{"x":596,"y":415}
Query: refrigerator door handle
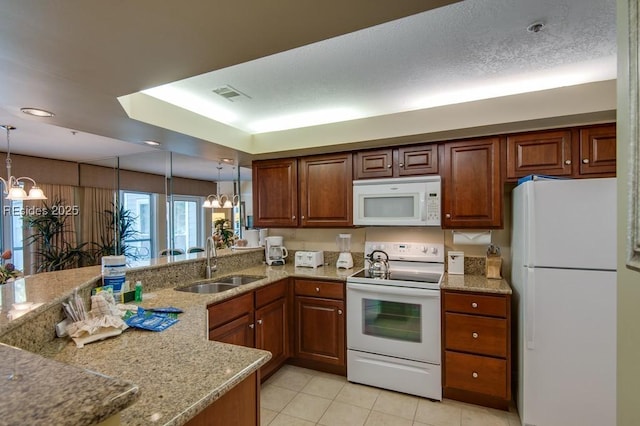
{"x":529,"y":310}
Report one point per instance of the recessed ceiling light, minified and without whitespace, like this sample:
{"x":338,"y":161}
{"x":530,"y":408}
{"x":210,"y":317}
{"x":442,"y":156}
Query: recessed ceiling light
{"x":37,"y":112}
{"x":152,"y":143}
{"x":227,"y":160}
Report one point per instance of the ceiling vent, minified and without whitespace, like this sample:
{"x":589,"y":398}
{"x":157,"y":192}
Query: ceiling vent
{"x":230,"y":93}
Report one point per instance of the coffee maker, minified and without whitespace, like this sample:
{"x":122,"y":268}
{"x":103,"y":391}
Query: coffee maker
{"x":274,"y":251}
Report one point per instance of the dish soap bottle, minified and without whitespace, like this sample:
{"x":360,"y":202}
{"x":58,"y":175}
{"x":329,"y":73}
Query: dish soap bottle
{"x":138,"y":296}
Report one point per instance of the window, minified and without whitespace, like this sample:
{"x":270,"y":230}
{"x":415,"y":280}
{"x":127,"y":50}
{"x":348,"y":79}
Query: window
{"x":187,"y":222}
{"x":140,"y":205}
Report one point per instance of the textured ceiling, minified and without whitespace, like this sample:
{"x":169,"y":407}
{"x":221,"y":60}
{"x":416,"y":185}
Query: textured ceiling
{"x":427,"y":59}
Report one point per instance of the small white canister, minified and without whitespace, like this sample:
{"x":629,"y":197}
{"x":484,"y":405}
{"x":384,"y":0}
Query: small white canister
{"x":455,"y":263}
{"x":113,"y":271}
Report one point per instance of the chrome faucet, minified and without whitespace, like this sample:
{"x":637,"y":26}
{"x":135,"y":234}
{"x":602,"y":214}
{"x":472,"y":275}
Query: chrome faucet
{"x":212,"y":256}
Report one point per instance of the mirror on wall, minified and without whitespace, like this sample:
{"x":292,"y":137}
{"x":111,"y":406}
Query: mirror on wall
{"x":157,"y":195}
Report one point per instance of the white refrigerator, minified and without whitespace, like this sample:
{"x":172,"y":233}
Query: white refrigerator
{"x":564,"y":301}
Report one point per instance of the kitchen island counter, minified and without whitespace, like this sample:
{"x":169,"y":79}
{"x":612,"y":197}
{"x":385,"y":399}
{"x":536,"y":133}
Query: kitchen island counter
{"x":178,"y":371}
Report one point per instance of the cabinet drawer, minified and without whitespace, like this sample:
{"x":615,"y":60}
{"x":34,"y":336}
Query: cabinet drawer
{"x":476,"y":373}
{"x":473,"y":303}
{"x":329,"y":290}
{"x":228,"y":310}
{"x":481,"y":335}
{"x":271,"y":292}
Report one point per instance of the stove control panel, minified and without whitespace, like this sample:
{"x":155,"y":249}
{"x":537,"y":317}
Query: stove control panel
{"x":416,"y":252}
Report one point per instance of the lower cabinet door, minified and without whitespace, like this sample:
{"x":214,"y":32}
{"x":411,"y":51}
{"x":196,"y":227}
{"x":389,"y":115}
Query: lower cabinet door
{"x":272,"y":333}
{"x":320,"y":334}
{"x":237,"y":332}
{"x":476,"y":374}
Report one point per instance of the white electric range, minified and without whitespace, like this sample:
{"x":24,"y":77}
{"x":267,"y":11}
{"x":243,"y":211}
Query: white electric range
{"x":393,"y":329}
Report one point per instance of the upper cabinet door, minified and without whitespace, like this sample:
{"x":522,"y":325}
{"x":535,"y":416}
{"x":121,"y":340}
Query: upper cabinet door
{"x":275,"y":193}
{"x":598,"y":150}
{"x":374,"y":164}
{"x":417,"y":160}
{"x":547,"y":153}
{"x":471,"y":185}
{"x":326,"y":190}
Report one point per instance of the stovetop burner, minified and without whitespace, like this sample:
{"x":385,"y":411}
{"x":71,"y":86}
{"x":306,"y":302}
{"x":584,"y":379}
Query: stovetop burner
{"x":414,"y":276}
{"x":415,"y":265}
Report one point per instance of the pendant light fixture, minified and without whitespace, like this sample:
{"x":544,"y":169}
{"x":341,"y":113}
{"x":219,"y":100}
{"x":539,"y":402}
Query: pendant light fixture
{"x":220,"y":201}
{"x":13,"y":187}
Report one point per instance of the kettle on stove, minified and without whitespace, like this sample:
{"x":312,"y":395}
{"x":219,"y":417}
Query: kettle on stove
{"x":379,"y":266}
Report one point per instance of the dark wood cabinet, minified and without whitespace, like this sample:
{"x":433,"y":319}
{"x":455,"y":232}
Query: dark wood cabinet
{"x":598,"y":151}
{"x":471,"y":184}
{"x":396,"y":162}
{"x":257,"y":319}
{"x":239,"y":406}
{"x":546,"y":153}
{"x":275,"y":193}
{"x":272,"y":333}
{"x":313,"y":191}
{"x":477,"y":348}
{"x":575,"y":152}
{"x":326,"y":190}
{"x":320,"y":339}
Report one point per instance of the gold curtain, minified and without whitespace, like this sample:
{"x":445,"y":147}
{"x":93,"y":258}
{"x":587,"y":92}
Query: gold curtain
{"x":68,"y":207}
{"x":94,"y":222}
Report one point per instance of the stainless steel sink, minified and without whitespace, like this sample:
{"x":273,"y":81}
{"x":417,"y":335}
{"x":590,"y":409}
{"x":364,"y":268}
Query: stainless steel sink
{"x":207,"y":288}
{"x":239,"y":279}
{"x":217,"y":285}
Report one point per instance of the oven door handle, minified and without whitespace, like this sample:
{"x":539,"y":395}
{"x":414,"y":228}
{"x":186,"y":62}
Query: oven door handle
{"x":386,"y":289}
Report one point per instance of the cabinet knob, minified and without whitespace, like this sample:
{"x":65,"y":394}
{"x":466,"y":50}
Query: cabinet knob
{"x":388,"y":166}
{"x":251,"y":325}
{"x":293,"y":218}
{"x":474,"y":305}
{"x":585,"y":161}
{"x":339,"y":311}
{"x":302,"y":217}
{"x":317,"y":289}
{"x":567,"y":162}
{"x":474,"y":375}
{"x":448,"y":215}
{"x":474,"y":335}
{"x":259,"y":322}
{"x":401,"y":164}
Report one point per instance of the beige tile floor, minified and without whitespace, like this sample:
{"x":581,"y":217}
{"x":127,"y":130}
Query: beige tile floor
{"x":297,"y":396}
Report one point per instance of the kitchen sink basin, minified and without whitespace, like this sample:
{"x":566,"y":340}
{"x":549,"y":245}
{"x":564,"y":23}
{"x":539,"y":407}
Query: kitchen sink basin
{"x":207,"y":288}
{"x":239,"y":279}
{"x":217,"y":285}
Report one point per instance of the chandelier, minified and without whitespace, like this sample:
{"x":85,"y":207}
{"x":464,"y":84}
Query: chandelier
{"x":13,"y":187}
{"x":220,"y":201}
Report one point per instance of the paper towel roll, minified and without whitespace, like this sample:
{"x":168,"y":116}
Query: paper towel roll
{"x":480,"y":238}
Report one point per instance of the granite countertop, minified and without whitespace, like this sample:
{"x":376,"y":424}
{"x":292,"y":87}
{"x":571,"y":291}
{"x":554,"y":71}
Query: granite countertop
{"x":43,"y":386}
{"x":178,"y":371}
{"x":478,"y":283}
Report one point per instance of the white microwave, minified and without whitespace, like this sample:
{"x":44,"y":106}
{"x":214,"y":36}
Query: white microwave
{"x":411,"y":201}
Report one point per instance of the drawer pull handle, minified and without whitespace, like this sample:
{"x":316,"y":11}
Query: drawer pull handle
{"x":474,"y":335}
{"x":317,"y":289}
{"x":474,"y":375}
{"x":474,"y":305}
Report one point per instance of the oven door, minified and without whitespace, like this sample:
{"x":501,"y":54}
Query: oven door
{"x":395,"y":321}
